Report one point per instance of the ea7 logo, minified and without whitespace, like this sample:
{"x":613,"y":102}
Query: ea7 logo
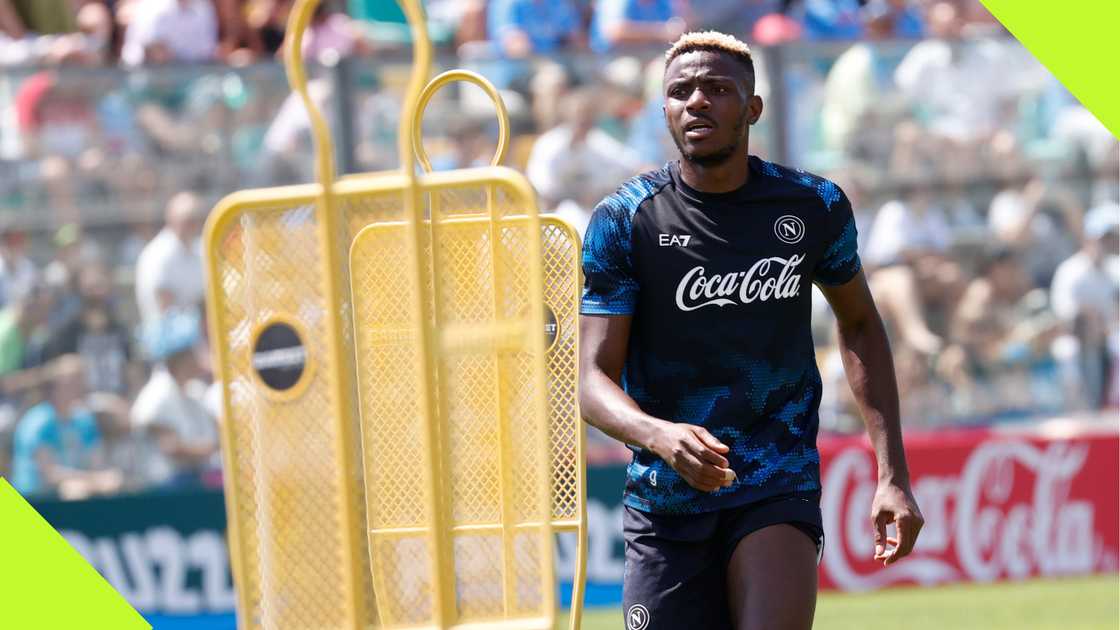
{"x":673,"y":240}
{"x":789,"y":229}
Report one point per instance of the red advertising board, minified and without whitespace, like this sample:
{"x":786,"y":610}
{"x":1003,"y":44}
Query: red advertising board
{"x":997,"y":505}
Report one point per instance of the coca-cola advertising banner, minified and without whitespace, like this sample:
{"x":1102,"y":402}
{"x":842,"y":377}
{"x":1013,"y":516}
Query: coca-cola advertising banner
{"x":997,"y":506}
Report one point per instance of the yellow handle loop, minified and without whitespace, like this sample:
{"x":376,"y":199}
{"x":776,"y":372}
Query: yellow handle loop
{"x":429,"y":91}
{"x":421,"y":69}
{"x":298,"y":21}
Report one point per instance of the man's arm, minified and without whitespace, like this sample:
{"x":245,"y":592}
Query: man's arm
{"x":693,"y":452}
{"x":870,"y":370}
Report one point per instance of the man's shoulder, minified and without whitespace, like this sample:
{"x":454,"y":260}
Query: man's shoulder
{"x":799,"y":182}
{"x":628,"y":197}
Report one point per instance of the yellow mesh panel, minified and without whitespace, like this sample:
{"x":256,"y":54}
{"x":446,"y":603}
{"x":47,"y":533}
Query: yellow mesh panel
{"x":286,"y":453}
{"x":495,"y":512}
{"x":284,"y":477}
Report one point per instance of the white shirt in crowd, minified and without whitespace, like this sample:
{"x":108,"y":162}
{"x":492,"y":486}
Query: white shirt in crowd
{"x":168,"y":264}
{"x":898,"y":229}
{"x":585,"y":173}
{"x":962,"y":85}
{"x":189,"y":29}
{"x":162,"y":403}
{"x":1081,"y":287}
{"x":16,"y":279}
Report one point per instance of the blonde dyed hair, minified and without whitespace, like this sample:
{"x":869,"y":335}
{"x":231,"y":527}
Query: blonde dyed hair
{"x":711,"y":41}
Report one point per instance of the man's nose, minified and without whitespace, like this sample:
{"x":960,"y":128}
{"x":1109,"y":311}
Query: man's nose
{"x":697,"y":100}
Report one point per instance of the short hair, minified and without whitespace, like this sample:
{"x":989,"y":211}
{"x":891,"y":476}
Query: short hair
{"x":712,"y":41}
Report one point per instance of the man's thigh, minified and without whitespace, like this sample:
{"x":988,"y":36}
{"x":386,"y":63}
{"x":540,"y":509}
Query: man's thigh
{"x":772,"y":580}
{"x":674,"y":576}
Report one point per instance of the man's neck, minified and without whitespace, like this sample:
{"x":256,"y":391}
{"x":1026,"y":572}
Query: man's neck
{"x":731,"y":174}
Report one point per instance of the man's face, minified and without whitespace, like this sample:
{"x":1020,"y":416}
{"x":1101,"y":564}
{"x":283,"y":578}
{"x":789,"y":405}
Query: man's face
{"x":709,"y":101}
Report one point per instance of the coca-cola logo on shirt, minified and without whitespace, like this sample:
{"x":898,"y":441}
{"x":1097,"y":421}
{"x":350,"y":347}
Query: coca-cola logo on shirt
{"x":769,"y":278}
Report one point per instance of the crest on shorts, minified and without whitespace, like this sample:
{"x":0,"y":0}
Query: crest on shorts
{"x":789,"y":229}
{"x":637,"y":618}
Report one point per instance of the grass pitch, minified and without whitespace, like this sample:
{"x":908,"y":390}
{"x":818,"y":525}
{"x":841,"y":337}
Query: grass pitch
{"x":1065,"y":604}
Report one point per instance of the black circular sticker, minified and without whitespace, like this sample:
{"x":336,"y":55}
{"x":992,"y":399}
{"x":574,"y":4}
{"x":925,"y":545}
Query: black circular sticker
{"x":551,"y":327}
{"x":279,"y":356}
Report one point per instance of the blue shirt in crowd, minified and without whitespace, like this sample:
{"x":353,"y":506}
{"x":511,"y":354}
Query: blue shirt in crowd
{"x":844,"y":20}
{"x":549,"y":24}
{"x":72,"y":443}
{"x":611,"y":11}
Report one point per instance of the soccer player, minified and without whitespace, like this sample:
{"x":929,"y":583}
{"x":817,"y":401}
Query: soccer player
{"x":696,"y":352}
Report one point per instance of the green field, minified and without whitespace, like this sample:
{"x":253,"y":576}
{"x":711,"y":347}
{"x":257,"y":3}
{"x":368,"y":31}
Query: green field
{"x":1070,"y":604}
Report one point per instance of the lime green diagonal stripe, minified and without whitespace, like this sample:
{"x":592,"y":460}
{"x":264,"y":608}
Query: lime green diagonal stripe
{"x":45,"y":584}
{"x":1079,"y":42}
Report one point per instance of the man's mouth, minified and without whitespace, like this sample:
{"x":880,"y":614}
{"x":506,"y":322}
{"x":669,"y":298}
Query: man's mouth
{"x":698,"y":130}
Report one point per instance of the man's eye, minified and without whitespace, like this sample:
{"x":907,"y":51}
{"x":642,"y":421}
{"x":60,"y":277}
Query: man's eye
{"x":721,"y":89}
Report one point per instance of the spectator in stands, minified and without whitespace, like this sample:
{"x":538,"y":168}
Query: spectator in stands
{"x":1040,"y":220}
{"x":267,"y":21}
{"x":575,"y":164}
{"x":855,"y":19}
{"x":238,"y":43}
{"x":534,"y":27}
{"x":964,"y":88}
{"x":332,"y":35}
{"x":985,"y":316}
{"x":180,"y":434}
{"x":56,"y":447}
{"x":96,"y":335}
{"x":619,"y":24}
{"x":736,"y":17}
{"x":551,"y":81}
{"x":19,"y":321}
{"x":55,"y":31}
{"x":649,"y":137}
{"x":854,"y":88}
{"x":73,"y":252}
{"x":161,"y":31}
{"x":18,"y":275}
{"x":1084,"y":296}
{"x":56,"y":119}
{"x":169,"y":270}
{"x":909,"y":267}
{"x":1001,"y":335}
{"x":832,"y":19}
{"x":907,"y":228}
{"x":471,"y":145}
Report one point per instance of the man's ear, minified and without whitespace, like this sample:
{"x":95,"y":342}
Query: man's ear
{"x":755,"y":108}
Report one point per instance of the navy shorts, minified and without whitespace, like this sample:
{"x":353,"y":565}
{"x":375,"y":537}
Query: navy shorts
{"x":676,"y":564}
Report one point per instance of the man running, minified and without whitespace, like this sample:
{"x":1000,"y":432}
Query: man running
{"x":696,"y":352}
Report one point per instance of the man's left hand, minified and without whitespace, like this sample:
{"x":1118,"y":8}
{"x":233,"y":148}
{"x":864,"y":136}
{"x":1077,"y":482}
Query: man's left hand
{"x":894,"y":503}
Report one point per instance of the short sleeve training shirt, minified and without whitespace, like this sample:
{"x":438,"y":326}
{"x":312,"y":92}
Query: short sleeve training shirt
{"x":718,"y":286}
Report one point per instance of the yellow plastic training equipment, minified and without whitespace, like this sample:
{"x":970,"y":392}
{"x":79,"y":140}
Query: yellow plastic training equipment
{"x":457,"y":347}
{"x":474,"y":459}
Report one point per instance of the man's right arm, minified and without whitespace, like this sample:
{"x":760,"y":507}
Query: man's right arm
{"x":693,"y":452}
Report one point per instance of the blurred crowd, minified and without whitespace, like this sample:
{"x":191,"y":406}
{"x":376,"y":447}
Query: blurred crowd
{"x":137,"y":32}
{"x":986,"y":195}
{"x":105,"y":381}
